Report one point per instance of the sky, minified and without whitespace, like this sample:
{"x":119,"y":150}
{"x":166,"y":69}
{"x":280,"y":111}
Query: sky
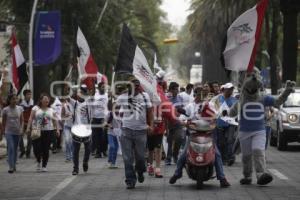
{"x":177,"y":11}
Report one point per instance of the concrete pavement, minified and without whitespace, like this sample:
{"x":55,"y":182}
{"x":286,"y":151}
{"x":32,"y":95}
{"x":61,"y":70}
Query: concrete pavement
{"x":105,"y":184}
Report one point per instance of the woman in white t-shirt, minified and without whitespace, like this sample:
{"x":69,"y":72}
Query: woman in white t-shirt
{"x":44,"y":117}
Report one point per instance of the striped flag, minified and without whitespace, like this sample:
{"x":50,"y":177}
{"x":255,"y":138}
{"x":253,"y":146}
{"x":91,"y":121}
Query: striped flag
{"x":19,"y":75}
{"x":132,"y":60}
{"x":243,"y":39}
{"x":87,"y":67}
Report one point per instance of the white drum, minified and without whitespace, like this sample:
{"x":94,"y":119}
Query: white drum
{"x":81,"y":133}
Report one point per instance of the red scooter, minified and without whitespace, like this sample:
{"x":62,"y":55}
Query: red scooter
{"x":200,"y":153}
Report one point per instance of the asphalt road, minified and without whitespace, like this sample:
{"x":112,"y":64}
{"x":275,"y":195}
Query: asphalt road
{"x":103,"y":183}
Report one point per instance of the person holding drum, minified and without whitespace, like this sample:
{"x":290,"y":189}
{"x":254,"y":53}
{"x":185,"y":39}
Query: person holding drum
{"x":81,"y":130}
{"x":137,"y":121}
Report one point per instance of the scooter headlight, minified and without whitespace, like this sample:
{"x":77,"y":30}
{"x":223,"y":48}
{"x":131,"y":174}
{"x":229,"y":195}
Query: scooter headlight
{"x":201,"y":148}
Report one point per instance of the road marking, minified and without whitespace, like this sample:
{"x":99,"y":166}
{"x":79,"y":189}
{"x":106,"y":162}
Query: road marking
{"x":278,"y":174}
{"x":58,"y":188}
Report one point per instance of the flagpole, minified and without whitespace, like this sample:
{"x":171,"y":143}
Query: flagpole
{"x":30,"y":45}
{"x":101,"y":14}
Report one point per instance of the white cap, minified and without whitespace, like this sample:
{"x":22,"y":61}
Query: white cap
{"x":227,"y":86}
{"x":161,"y":74}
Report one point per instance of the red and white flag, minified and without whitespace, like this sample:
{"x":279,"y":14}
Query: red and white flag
{"x":18,"y":72}
{"x":243,"y":38}
{"x":86,"y":65}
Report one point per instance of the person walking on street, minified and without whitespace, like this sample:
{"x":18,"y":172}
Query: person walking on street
{"x":81,"y":116}
{"x":66,"y":115}
{"x":45,"y":119}
{"x":225,"y":131}
{"x":137,"y":121}
{"x":27,"y":105}
{"x":114,"y":133}
{"x":99,"y":103}
{"x":12,"y":125}
{"x":175,"y":135}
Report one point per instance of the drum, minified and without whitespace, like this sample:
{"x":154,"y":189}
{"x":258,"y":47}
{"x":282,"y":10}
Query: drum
{"x":81,"y":133}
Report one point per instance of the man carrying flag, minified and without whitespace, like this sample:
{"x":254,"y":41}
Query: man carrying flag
{"x":137,"y":120}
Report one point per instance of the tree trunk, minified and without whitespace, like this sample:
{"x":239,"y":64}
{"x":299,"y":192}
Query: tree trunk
{"x":273,"y":49}
{"x":290,"y":43}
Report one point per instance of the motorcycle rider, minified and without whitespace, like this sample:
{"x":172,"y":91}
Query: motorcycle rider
{"x":200,"y":109}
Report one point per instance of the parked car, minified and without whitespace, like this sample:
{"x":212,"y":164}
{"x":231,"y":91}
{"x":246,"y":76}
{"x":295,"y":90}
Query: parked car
{"x":285,"y":122}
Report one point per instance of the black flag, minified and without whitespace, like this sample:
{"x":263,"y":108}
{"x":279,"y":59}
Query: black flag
{"x":126,"y":52}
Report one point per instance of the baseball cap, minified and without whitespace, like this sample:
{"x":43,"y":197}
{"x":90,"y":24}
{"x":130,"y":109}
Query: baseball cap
{"x":227,"y":86}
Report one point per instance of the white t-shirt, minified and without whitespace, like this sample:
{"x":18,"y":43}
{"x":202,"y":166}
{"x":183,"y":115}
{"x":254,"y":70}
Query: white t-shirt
{"x":57,"y":108}
{"x":192,"y":110}
{"x":69,"y":111}
{"x":99,"y":106}
{"x":82,"y":113}
{"x":187,"y":99}
{"x":45,"y":119}
{"x":134,"y":110}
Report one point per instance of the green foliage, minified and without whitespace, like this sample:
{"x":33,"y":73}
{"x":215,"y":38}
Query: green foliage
{"x":144,"y":18}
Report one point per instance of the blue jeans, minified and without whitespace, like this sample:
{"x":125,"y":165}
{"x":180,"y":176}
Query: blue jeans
{"x":68,"y":142}
{"x":268,"y":134}
{"x":12,"y":141}
{"x":133,"y":144}
{"x":218,"y":160}
{"x":224,"y":140}
{"x":113,"y":148}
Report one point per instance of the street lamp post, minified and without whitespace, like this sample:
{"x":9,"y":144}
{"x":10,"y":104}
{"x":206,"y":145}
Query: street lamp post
{"x":30,"y":44}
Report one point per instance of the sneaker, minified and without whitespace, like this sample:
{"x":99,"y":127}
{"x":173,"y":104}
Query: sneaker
{"x":246,"y":181}
{"x":150,"y":170}
{"x":68,"y":160}
{"x":44,"y":169}
{"x":174,"y":178}
{"x":11,"y":171}
{"x":22,"y":154}
{"x":130,"y":186}
{"x":141,"y":177}
{"x":85,"y":167}
{"x":98,"y":156}
{"x":38,"y":167}
{"x":264,"y":179}
{"x":158,"y":173}
{"x":112,"y":166}
{"x":75,"y":172}
{"x":230,"y":162}
{"x":224,"y":183}
{"x":168,"y":162}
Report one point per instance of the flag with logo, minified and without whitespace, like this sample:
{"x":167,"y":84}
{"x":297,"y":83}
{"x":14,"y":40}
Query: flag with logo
{"x":47,"y":40}
{"x":243,"y":39}
{"x":18,"y":71}
{"x":87,"y":67}
{"x":132,"y":60}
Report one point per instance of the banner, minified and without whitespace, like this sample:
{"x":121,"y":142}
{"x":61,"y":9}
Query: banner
{"x":47,"y":37}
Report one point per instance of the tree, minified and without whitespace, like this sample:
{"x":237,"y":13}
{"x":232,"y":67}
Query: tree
{"x":144,"y":17}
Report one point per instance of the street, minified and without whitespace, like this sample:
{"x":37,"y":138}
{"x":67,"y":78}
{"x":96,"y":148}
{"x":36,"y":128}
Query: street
{"x":103,"y":183}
